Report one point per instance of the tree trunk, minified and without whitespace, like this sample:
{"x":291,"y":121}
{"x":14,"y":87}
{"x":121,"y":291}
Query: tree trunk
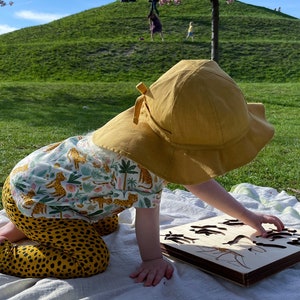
{"x":215,"y":30}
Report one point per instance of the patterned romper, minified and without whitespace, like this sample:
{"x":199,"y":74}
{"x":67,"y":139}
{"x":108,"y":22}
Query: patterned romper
{"x":64,"y":197}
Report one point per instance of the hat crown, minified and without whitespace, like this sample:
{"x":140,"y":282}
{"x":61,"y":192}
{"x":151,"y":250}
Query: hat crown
{"x":217,"y":116}
{"x":191,"y":125}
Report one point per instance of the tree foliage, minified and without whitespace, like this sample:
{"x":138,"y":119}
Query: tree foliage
{"x":4,"y":3}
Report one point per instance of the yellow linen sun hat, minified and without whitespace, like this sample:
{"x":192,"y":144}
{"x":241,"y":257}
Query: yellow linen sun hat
{"x":191,"y":125}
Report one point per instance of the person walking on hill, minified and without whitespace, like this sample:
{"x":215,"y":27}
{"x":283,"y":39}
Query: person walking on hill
{"x":190,"y":33}
{"x":155,"y":26}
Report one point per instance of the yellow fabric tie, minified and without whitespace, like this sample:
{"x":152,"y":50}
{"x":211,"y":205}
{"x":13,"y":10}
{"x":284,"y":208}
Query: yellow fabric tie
{"x":139,"y":102}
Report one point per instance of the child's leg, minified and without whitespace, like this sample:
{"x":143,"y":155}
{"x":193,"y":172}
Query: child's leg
{"x":66,"y":248}
{"x":11,"y":232}
{"x":107,"y":225}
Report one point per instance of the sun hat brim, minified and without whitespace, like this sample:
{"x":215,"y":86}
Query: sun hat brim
{"x":177,"y":164}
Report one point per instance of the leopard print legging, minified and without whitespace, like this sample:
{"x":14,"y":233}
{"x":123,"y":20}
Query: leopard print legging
{"x":63,"y":248}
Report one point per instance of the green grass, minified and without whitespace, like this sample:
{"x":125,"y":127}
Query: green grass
{"x":36,"y":114}
{"x":103,"y":44}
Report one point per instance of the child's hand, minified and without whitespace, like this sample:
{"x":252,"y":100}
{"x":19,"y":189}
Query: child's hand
{"x":151,"y":272}
{"x":259,"y":219}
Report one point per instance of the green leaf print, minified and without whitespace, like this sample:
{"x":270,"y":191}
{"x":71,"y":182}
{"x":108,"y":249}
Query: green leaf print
{"x":98,"y":212}
{"x":41,"y":174}
{"x":73,"y":178}
{"x":147,"y":202}
{"x":20,"y":186}
{"x":59,"y":210}
{"x":132,"y":183}
{"x":126,"y":168}
{"x":85,"y":171}
{"x":40,"y":191}
{"x":88,"y":187}
{"x":96,"y":174}
{"x":46,"y":199}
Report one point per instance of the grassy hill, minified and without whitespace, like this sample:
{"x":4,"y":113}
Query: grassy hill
{"x":112,"y":43}
{"x":71,"y":76}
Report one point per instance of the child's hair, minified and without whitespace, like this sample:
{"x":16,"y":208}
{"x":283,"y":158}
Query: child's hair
{"x":152,"y":16}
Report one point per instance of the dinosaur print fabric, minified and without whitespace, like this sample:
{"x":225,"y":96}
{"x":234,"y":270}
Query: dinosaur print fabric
{"x":76,"y":179}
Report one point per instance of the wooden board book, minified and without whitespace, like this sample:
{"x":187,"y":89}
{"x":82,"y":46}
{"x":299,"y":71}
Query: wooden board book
{"x":230,"y":249}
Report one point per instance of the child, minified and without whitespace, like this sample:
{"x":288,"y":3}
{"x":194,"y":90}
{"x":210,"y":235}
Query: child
{"x":155,"y":25}
{"x":190,"y":31}
{"x":190,"y":126}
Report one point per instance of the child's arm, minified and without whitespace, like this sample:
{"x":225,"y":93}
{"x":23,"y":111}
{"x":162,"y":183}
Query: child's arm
{"x":215,"y":195}
{"x":153,"y":267}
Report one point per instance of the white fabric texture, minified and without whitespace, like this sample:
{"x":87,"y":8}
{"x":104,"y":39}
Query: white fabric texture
{"x":188,"y":283}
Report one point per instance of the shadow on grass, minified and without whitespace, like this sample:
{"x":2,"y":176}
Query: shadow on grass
{"x":76,"y":107}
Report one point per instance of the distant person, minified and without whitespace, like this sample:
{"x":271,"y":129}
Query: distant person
{"x":190,"y":33}
{"x":155,"y":25}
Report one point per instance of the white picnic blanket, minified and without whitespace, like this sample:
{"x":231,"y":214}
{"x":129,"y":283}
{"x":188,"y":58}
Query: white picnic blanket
{"x":188,"y":283}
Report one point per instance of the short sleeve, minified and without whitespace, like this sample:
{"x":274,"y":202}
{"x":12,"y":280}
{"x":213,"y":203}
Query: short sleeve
{"x":137,"y":185}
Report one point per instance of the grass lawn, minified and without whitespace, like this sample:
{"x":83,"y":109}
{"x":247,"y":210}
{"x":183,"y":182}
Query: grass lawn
{"x":36,"y":114}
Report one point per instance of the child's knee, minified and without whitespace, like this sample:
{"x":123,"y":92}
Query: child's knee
{"x":107,"y":225}
{"x":97,"y":261}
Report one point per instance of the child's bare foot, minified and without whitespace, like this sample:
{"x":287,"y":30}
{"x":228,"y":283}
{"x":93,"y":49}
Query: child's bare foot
{"x":11,"y":232}
{"x":2,"y":239}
